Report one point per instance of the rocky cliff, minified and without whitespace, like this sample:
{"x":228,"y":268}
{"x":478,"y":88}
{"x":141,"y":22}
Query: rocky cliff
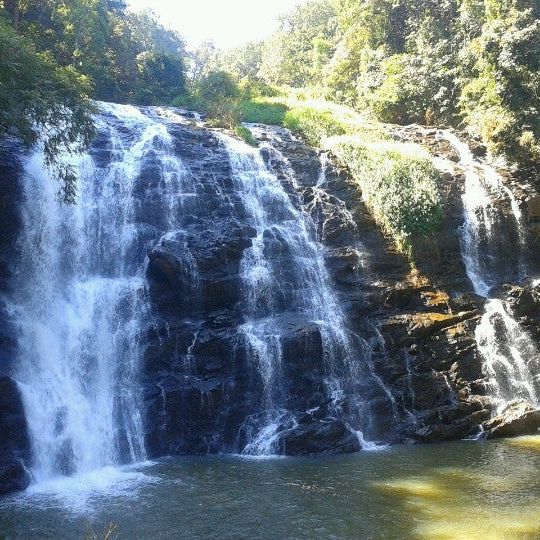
{"x":14,"y":444}
{"x":421,"y":375}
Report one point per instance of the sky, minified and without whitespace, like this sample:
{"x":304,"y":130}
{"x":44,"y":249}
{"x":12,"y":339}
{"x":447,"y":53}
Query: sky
{"x":228,"y":23}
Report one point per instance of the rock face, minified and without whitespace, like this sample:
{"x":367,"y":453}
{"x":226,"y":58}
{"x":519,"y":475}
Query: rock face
{"x":419,"y":326}
{"x":414,"y":332}
{"x":517,"y":418}
{"x":316,"y":437}
{"x":14,"y":444}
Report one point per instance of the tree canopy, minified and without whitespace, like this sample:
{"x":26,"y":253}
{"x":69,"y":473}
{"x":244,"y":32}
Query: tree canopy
{"x":42,"y":101}
{"x":55,"y":55}
{"x":468,"y":63}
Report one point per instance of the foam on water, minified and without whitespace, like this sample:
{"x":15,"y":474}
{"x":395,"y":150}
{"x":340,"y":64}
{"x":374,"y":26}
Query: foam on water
{"x":83,"y":494}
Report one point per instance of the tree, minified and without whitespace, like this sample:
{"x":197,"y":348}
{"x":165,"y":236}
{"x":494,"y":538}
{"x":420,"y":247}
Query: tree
{"x":43,"y":103}
{"x":203,"y":60}
{"x":302,"y":45}
{"x":161,"y":77}
{"x":99,"y":39}
{"x":501,"y":102}
{"x":244,"y":61}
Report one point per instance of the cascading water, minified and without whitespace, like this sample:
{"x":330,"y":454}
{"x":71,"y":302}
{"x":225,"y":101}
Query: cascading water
{"x":285,"y":283}
{"x":508,"y":352}
{"x":81,"y":301}
{"x":88,"y":298}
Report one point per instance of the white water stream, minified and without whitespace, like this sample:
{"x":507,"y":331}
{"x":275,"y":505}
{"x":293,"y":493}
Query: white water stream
{"x":510,"y":356}
{"x":81,"y":300}
{"x":286,"y":286}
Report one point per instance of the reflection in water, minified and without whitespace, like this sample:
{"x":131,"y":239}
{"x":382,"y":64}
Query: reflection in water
{"x":457,"y":503}
{"x":457,"y":490}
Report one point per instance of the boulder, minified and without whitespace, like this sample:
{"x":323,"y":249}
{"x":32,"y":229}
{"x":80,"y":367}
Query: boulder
{"x":316,"y":437}
{"x":14,"y":442}
{"x":517,"y":418}
{"x":13,"y":475}
{"x":522,"y":302}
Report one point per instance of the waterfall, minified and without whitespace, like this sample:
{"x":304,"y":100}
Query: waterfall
{"x":509,"y":355}
{"x":508,"y":352}
{"x":81,"y":300}
{"x":286,"y":284}
{"x":125,"y":275}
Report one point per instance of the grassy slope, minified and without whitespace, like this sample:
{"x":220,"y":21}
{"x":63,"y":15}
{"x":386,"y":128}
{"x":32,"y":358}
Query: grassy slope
{"x":398,"y":180}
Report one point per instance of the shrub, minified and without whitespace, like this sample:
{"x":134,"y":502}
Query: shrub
{"x":223,"y":112}
{"x":245,"y":134}
{"x":314,"y":125}
{"x":252,"y":88}
{"x":258,"y":111}
{"x":217,"y":85}
{"x":399,"y":184}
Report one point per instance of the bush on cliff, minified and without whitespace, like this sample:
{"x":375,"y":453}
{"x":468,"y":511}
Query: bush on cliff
{"x":398,"y":183}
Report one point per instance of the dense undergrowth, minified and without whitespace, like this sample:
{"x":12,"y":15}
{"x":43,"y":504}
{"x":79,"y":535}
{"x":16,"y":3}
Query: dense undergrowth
{"x":399,"y":184}
{"x":398,"y":181}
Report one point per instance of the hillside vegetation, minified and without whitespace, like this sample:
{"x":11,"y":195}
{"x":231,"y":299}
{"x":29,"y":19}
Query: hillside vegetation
{"x":473,"y":64}
{"x":332,"y":72}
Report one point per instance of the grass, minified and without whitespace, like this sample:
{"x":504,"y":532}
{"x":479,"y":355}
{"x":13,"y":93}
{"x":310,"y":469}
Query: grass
{"x":245,"y":134}
{"x":398,"y":181}
{"x":263,"y":111}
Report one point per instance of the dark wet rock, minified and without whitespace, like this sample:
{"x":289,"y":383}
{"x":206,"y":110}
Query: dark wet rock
{"x":466,"y":302}
{"x":11,"y":155}
{"x":201,"y":389}
{"x":523,"y":302}
{"x":517,"y":418}
{"x":316,"y":437}
{"x":445,"y":432}
{"x":426,"y":324}
{"x":14,"y":443}
{"x":13,"y":474}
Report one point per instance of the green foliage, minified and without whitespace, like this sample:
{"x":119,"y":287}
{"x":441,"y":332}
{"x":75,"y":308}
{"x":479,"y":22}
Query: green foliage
{"x":255,"y":88}
{"x":227,"y":101}
{"x":55,"y":54}
{"x":399,"y":184}
{"x":314,"y":125}
{"x":43,"y":103}
{"x":245,"y":61}
{"x":108,"y":44}
{"x":217,"y":94}
{"x":260,"y":111}
{"x":223,"y":112}
{"x":218,"y":85}
{"x":203,"y":60}
{"x":160,"y":76}
{"x":244,"y":133}
{"x":466,"y":63}
{"x":501,"y":102}
{"x":298,"y":51}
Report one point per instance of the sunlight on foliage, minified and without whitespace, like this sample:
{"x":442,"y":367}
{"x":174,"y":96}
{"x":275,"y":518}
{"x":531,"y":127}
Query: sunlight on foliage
{"x":398,"y":182}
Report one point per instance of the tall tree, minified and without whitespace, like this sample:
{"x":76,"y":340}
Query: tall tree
{"x":43,"y":103}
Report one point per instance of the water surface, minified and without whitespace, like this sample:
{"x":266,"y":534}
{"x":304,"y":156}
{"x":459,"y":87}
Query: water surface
{"x":455,"y":490}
